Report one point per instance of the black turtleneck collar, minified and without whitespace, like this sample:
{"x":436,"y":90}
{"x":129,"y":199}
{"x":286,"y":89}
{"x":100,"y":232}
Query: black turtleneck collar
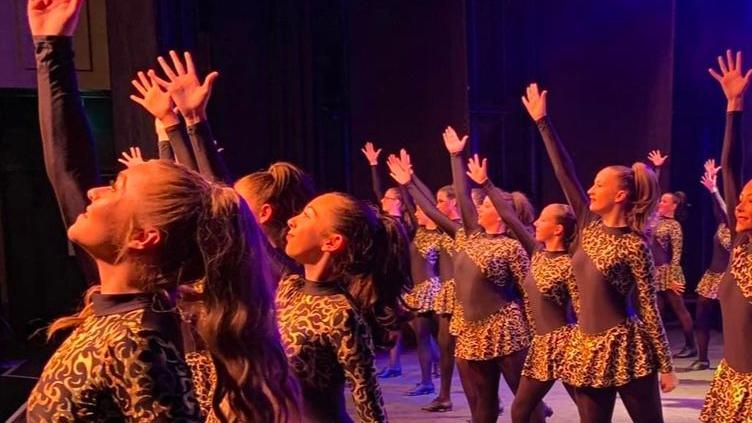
{"x":324,"y":288}
{"x":105,"y":304}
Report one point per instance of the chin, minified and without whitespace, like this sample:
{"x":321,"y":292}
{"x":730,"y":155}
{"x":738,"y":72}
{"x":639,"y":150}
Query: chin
{"x":744,"y":226}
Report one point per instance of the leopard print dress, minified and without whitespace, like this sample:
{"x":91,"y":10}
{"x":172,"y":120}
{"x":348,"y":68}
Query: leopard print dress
{"x":503,"y":262}
{"x":711,"y":280}
{"x":446,"y":300}
{"x":553,"y":278}
{"x":635,"y":348}
{"x":730,"y":396}
{"x":669,"y":237}
{"x":421,"y":299}
{"x":328,"y":343}
{"x":120,"y":364}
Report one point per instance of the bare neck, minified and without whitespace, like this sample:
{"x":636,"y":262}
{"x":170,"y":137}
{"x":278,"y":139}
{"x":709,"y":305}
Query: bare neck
{"x":614,"y":218}
{"x":555,"y":244}
{"x":318,"y":271}
{"x":117,"y":278}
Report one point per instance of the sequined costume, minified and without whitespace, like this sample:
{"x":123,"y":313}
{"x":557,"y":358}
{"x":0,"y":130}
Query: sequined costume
{"x":123,"y":363}
{"x":328,"y":343}
{"x":619,"y":336}
{"x":729,"y":398}
{"x":667,"y":249}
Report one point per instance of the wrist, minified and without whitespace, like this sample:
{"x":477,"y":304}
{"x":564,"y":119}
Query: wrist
{"x":169,"y":119}
{"x":193,"y":117}
{"x":735,"y":104}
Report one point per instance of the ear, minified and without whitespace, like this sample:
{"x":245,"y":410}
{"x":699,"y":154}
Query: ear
{"x":265,"y":213}
{"x":144,"y":239}
{"x":559,"y":230}
{"x":334,"y":243}
{"x":621,"y":196}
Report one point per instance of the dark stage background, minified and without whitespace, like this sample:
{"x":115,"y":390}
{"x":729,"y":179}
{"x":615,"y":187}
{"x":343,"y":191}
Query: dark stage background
{"x":309,"y":81}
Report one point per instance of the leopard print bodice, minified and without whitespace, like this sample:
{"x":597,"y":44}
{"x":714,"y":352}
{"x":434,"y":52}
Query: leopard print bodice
{"x":428,"y":243}
{"x":612,"y":254}
{"x":554,"y":278}
{"x":723,"y":234}
{"x":741,"y":268}
{"x":501,"y":259}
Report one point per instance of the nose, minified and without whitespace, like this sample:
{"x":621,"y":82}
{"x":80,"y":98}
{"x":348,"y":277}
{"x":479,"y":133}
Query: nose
{"x":291,"y":222}
{"x":93,"y":193}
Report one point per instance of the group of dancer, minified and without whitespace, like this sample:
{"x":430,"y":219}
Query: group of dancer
{"x":257,"y":300}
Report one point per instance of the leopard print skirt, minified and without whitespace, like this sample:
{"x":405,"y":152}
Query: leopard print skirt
{"x":446,"y":300}
{"x":708,"y":285}
{"x":546,"y":354}
{"x":730,"y":396}
{"x":421,"y":298}
{"x":204,"y":378}
{"x":501,"y":333}
{"x":666,"y":275}
{"x":613,"y":357}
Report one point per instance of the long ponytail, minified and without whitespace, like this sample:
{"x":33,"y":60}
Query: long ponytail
{"x":239,"y":327}
{"x":642,"y":185}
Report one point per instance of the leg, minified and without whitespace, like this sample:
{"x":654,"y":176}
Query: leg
{"x":394,"y":366}
{"x":485,"y":378}
{"x":530,"y":393}
{"x":421,"y":325}
{"x":642,"y":399}
{"x":703,"y":315}
{"x":466,"y":378}
{"x":595,"y":405}
{"x":511,"y":368}
{"x":446,"y":358}
{"x":680,"y":310}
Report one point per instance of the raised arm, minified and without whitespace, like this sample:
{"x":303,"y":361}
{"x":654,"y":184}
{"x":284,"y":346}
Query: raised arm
{"x":710,"y":181}
{"x":734,"y":84}
{"x":67,"y":143}
{"x":406,"y":162}
{"x":191,"y":97}
{"x":658,"y":160}
{"x":454,"y":146}
{"x":372,"y":155}
{"x":403,"y":176}
{"x":478,"y":172}
{"x":535,"y":103}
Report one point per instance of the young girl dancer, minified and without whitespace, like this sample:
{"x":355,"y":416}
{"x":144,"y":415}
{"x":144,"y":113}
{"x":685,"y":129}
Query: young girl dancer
{"x":611,"y":351}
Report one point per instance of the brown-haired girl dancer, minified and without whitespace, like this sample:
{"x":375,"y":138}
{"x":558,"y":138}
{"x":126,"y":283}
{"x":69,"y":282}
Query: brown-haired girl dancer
{"x":730,"y":398}
{"x":666,"y":246}
{"x":424,"y":253}
{"x":357,"y":266}
{"x":610,"y":350}
{"x":549,"y":289}
{"x":159,"y":225}
{"x":443,"y":213}
{"x":707,"y":288}
{"x":492,"y":332}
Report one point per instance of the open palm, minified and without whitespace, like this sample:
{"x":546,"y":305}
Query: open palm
{"x":53,"y":17}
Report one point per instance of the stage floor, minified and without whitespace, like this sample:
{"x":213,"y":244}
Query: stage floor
{"x":682,"y":405}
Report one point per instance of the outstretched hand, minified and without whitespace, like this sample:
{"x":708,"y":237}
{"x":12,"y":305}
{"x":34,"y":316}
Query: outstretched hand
{"x":189,"y":94}
{"x":372,"y":155}
{"x":132,"y":159}
{"x":154,"y":99}
{"x":709,"y":181}
{"x":710,"y":167}
{"x":398,"y":170}
{"x":668,"y":382}
{"x":535,"y":102}
{"x":733,"y":82}
{"x":53,"y":17}
{"x":656,"y":158}
{"x":452,"y":141}
{"x":477,"y":169}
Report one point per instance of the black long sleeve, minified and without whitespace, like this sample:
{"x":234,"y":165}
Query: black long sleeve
{"x":183,"y":154}
{"x":507,"y":213}
{"x":209,"y":161}
{"x":442,"y":221}
{"x":731,"y":165}
{"x":462,"y":191}
{"x":427,"y":193}
{"x":719,"y":208}
{"x":67,"y":143}
{"x":378,"y":191}
{"x":563,"y":168}
{"x":165,"y":151}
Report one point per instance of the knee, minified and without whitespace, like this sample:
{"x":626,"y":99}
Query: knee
{"x":520,"y":410}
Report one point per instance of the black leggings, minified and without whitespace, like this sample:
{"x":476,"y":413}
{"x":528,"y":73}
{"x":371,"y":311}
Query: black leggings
{"x":704,"y":312}
{"x":421,"y":325}
{"x":529,"y":398}
{"x":480,"y":380}
{"x":676,"y":301}
{"x":641,"y":398}
{"x":446,"y":357}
